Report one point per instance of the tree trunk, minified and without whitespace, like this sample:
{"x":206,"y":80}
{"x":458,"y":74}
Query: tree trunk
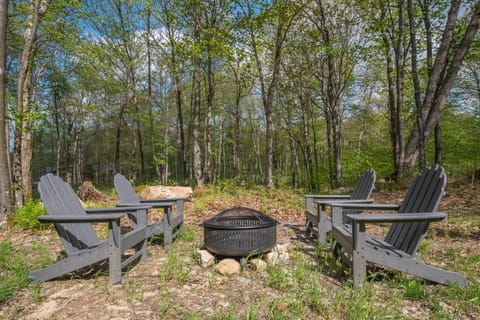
{"x":442,"y":77}
{"x":334,"y":79}
{"x":156,"y":163}
{"x":399,"y":81}
{"x":337,"y":147}
{"x":391,"y":104}
{"x":22,"y":138}
{"x":284,"y":23}
{"x":6,"y":200}
{"x":306,"y":141}
{"x":197,"y":156}
{"x":438,"y":144}
{"x":416,"y":85}
{"x":25,"y":136}
{"x":181,"y":163}
{"x":169,"y":13}
{"x":138,"y":130}
{"x":118,"y":137}
{"x":236,"y":129}
{"x":208,"y":169}
{"x":331,"y":171}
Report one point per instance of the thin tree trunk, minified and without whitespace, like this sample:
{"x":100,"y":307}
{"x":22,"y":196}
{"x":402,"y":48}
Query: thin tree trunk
{"x":181,"y":162}
{"x":236,"y":130}
{"x":37,"y":8}
{"x":438,"y":144}
{"x":399,"y":79}
{"x":442,"y":77}
{"x":118,"y":137}
{"x":6,"y":200}
{"x":268,"y":93}
{"x":138,"y":129}
{"x":331,"y":175}
{"x":391,"y":104}
{"x":416,"y":85}
{"x":168,"y":8}
{"x":306,"y":141}
{"x":208,"y":169}
{"x":156,"y":164}
{"x":197,"y":156}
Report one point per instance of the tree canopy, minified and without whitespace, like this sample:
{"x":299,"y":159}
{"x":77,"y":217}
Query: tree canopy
{"x":302,"y":93}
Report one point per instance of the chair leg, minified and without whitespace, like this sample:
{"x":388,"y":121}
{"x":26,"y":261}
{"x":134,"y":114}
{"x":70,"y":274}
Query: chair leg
{"x":324,"y":227}
{"x":167,"y":228}
{"x":359,"y":263}
{"x":308,"y":229}
{"x":114,"y":260}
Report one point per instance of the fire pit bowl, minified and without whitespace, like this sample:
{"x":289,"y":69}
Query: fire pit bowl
{"x":240,"y":232}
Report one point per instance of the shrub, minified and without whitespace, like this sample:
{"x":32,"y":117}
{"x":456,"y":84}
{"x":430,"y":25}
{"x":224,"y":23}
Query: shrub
{"x":26,"y":217}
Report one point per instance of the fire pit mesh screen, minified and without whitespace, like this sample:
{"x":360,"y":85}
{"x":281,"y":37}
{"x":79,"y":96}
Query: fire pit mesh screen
{"x":240,"y":232}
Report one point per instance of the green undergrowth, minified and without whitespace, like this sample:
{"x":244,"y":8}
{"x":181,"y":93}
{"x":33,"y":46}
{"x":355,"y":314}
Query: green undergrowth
{"x":26,"y":217}
{"x":15,"y":264}
{"x":227,"y":194}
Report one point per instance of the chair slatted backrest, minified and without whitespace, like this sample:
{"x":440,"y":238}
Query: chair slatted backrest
{"x":124,"y":189}
{"x":361,"y":191}
{"x":60,"y":199}
{"x":364,"y":186}
{"x":424,"y":195}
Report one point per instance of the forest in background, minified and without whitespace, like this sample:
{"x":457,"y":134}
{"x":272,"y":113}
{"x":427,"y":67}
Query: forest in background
{"x":305,"y":93}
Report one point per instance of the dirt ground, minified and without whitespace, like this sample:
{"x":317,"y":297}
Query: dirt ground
{"x":163,"y":288}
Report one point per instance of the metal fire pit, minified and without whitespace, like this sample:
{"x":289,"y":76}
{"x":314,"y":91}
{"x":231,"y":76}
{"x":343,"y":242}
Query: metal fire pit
{"x":240,"y":232}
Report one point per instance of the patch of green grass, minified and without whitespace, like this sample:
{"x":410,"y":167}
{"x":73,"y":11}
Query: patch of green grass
{"x":414,"y":290}
{"x":134,"y":291}
{"x":287,"y":307}
{"x":278,"y":277}
{"x":463,"y":301}
{"x":13,"y":270}
{"x":36,"y":292}
{"x":16,"y":263}
{"x":178,"y":265}
{"x":187,"y":234}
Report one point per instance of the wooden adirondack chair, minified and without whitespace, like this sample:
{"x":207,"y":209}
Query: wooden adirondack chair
{"x":171,"y":223}
{"x":82,"y":246}
{"x":319,"y":220}
{"x":398,"y":250}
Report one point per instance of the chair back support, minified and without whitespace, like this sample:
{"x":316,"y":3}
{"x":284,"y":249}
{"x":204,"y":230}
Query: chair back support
{"x":424,"y":195}
{"x":364,"y":186}
{"x":124,"y":189}
{"x":361,"y":191}
{"x":60,"y":199}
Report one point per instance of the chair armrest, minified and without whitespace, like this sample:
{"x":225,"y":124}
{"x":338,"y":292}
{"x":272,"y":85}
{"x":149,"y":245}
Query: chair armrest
{"x":118,"y":209}
{"x":327,"y":196}
{"x":337,"y":209}
{"x":150,"y":205}
{"x":360,"y":206}
{"x":346,"y":201}
{"x":80,"y":219}
{"x":164,"y":200}
{"x":156,"y":203}
{"x":398,"y":217}
{"x":310,"y":198}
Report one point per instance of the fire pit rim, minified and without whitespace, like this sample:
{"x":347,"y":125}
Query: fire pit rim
{"x":266,"y":221}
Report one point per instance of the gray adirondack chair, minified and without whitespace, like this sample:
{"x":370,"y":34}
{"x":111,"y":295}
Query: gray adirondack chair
{"x":171,"y":223}
{"x":317,"y":221}
{"x":82,"y":246}
{"x":398,"y":249}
